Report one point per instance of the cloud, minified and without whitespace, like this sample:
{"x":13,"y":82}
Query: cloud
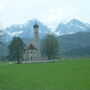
{"x":52,"y":15}
{"x":50,"y":12}
{"x":57,"y":15}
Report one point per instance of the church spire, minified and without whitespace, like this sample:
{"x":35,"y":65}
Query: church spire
{"x":36,"y":25}
{"x":36,"y":40}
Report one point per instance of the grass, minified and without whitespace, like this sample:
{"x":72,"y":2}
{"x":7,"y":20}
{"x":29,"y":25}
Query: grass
{"x":64,"y":75}
{"x":4,"y":63}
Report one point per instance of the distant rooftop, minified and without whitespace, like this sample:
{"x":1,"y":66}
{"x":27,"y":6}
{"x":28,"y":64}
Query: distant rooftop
{"x":31,"y":47}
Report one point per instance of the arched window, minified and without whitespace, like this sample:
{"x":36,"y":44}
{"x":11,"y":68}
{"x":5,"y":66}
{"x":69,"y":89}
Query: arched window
{"x":31,"y":58}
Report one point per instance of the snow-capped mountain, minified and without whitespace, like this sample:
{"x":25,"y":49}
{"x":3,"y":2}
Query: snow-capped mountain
{"x":26,"y":30}
{"x":73,"y":26}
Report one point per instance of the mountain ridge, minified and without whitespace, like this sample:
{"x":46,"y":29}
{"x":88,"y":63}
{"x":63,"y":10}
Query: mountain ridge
{"x":26,"y":30}
{"x":72,"y":26}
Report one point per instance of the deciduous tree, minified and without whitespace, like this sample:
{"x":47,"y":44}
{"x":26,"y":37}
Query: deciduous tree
{"x":51,"y":46}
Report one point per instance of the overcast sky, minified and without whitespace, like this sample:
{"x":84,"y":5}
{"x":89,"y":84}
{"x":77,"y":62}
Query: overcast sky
{"x":47,"y":11}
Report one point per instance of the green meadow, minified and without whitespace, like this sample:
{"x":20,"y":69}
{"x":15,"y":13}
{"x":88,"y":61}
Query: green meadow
{"x":63,"y":75}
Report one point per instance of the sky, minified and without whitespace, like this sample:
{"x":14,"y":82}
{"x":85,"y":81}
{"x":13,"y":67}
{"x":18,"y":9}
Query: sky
{"x":49,"y":12}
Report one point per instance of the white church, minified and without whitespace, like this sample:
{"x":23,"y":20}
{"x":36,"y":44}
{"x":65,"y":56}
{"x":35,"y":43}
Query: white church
{"x":32,"y":52}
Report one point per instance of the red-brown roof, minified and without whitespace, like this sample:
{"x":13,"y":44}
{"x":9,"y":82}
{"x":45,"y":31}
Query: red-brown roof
{"x":31,"y":47}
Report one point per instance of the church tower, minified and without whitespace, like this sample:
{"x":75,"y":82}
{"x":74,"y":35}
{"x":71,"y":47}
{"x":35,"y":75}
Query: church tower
{"x":37,"y":41}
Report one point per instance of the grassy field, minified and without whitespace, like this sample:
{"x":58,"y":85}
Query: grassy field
{"x":64,"y":75}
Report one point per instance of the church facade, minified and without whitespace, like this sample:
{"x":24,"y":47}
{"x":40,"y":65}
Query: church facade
{"x":32,"y":52}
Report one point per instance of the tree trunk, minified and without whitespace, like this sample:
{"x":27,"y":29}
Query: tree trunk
{"x":18,"y":61}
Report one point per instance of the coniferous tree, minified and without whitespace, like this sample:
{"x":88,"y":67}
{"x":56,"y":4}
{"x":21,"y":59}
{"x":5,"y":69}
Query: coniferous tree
{"x":16,"y":49}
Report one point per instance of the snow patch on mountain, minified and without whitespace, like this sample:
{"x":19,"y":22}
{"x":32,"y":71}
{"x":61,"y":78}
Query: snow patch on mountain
{"x":13,"y":34}
{"x":73,"y":26}
{"x":26,"y":30}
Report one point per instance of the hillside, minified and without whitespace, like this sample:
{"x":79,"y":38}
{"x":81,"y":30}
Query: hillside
{"x":69,"y":44}
{"x":74,"y":41}
{"x":75,"y":45}
{"x":79,"y":52}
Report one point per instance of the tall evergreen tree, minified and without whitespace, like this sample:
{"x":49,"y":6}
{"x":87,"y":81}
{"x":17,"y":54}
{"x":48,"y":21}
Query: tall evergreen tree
{"x":16,"y":49}
{"x":51,"y":46}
